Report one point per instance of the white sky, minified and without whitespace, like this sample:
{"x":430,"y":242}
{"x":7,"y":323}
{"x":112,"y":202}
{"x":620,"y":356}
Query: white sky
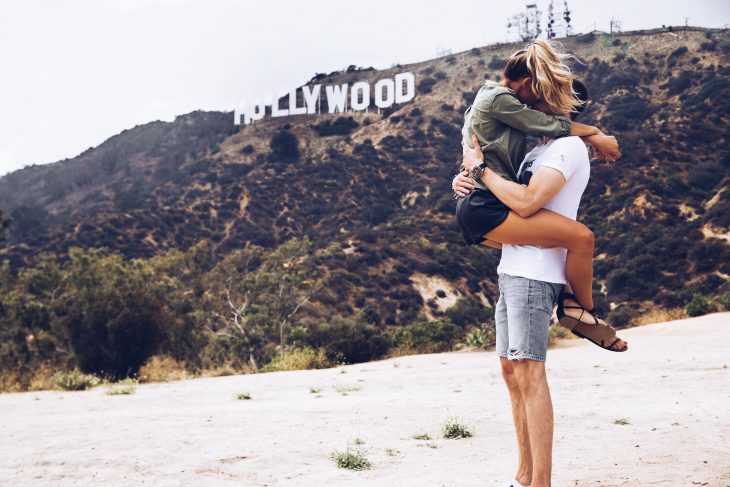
{"x":75,"y":72}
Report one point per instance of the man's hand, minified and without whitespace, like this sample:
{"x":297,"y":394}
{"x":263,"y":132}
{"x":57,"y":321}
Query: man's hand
{"x":605,"y":147}
{"x":461,"y":184}
{"x":471,"y":157}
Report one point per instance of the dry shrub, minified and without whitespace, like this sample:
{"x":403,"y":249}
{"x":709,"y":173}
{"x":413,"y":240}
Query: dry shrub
{"x":11,"y":381}
{"x":162,"y":369}
{"x":659,"y":315}
{"x":42,"y":378}
{"x":558,"y":332}
{"x":402,"y":351}
{"x":226,"y":369}
{"x":219,"y":371}
{"x":74,"y":380}
{"x":297,"y":359}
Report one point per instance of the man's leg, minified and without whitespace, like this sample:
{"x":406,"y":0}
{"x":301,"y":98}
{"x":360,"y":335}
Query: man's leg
{"x":529,"y":305}
{"x":524,"y":466}
{"x":519,"y":415}
{"x":531,"y":380}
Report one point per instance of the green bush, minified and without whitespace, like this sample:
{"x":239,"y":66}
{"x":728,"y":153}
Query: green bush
{"x":348,"y":340}
{"x":723,"y":302}
{"x":469,"y":311}
{"x":426,"y":85}
{"x":497,"y":63}
{"x":113,"y":314}
{"x":699,"y":306}
{"x":708,"y":254}
{"x":284,"y":146}
{"x":341,"y":126}
{"x":621,"y":316}
{"x":427,"y":336}
{"x":483,"y":337}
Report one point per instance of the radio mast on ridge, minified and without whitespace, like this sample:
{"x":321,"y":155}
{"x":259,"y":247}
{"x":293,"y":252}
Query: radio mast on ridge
{"x":525,"y":26}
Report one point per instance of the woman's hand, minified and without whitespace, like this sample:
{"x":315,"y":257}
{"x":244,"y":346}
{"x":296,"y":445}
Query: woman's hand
{"x":605,"y":147}
{"x":461,"y":184}
{"x":471,"y":157}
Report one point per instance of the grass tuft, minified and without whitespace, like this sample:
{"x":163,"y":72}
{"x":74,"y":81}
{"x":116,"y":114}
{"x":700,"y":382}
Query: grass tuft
{"x":346,"y":389}
{"x":454,"y":429}
{"x":351,"y":459}
{"x":124,"y":387}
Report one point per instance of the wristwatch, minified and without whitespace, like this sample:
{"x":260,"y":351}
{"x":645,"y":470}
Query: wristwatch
{"x":477,"y":172}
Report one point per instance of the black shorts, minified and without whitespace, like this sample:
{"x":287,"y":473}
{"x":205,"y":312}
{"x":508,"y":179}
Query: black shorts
{"x":478,"y":213}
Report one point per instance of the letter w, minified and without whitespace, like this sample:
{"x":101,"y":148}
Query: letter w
{"x":336,"y":98}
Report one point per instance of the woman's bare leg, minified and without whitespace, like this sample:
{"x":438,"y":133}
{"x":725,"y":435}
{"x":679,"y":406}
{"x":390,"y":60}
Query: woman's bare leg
{"x":549,"y":229}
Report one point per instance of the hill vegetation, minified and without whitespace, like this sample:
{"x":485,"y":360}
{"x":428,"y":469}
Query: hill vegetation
{"x":227,"y":246}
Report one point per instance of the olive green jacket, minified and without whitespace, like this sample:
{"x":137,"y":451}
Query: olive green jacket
{"x":501,"y":122}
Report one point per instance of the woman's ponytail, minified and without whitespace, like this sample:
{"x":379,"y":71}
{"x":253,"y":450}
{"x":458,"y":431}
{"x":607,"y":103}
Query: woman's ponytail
{"x":552,"y":80}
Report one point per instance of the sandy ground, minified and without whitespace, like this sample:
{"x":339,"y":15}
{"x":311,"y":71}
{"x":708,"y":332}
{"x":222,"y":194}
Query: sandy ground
{"x":673,"y":387}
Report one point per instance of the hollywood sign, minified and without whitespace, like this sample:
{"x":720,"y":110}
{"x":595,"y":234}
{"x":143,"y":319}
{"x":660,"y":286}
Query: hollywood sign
{"x":386,"y":92}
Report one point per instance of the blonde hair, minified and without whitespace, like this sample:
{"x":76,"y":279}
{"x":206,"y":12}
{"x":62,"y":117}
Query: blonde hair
{"x":552,"y":80}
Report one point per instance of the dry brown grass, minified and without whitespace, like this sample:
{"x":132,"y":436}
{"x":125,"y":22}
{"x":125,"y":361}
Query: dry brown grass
{"x":297,"y":359}
{"x":11,"y":382}
{"x":42,"y":379}
{"x":162,"y":369}
{"x":659,"y":315}
{"x":402,"y":351}
{"x":223,"y":370}
{"x":558,"y":332}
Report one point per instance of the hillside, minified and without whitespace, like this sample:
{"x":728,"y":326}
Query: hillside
{"x":375,"y":198}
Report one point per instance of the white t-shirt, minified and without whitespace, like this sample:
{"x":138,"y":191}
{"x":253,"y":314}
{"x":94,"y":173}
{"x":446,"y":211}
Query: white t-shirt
{"x":568,"y":155}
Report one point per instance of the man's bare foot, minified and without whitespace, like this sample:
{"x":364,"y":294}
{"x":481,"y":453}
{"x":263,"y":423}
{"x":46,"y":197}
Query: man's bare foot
{"x":524,"y":480}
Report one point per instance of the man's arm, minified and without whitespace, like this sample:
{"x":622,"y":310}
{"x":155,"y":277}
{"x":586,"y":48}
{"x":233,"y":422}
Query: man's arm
{"x":525,"y":200}
{"x":583,"y":130}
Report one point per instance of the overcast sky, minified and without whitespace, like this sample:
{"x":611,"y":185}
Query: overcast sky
{"x":76,"y":72}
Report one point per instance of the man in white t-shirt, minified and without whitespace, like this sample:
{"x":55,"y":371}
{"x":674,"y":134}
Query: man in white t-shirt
{"x":552,"y":176}
{"x":567,"y":160}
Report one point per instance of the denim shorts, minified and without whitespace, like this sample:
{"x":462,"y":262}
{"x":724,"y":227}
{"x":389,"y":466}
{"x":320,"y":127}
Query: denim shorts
{"x":522,"y":317}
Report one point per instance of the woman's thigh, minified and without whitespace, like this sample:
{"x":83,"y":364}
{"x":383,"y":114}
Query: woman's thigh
{"x":544,"y":228}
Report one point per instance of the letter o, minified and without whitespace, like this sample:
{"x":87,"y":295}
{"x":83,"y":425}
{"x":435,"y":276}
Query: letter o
{"x":357,"y":88}
{"x":384,"y":102}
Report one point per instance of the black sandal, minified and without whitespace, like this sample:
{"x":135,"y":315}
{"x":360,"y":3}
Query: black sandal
{"x":564,"y":319}
{"x":600,"y":334}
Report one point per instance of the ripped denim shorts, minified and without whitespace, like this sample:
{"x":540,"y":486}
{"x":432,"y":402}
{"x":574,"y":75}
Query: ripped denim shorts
{"x":522,"y":317}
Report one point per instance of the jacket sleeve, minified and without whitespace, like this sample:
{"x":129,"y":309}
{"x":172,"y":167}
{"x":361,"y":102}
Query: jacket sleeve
{"x":509,"y":110}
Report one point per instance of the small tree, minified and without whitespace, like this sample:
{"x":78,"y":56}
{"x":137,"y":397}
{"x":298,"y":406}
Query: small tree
{"x":4,"y":224}
{"x":261,"y":293}
{"x":285,"y":146}
{"x":113,"y":313}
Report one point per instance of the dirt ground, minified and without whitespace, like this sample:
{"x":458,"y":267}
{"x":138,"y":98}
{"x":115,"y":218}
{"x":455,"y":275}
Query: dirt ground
{"x":672,"y":389}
